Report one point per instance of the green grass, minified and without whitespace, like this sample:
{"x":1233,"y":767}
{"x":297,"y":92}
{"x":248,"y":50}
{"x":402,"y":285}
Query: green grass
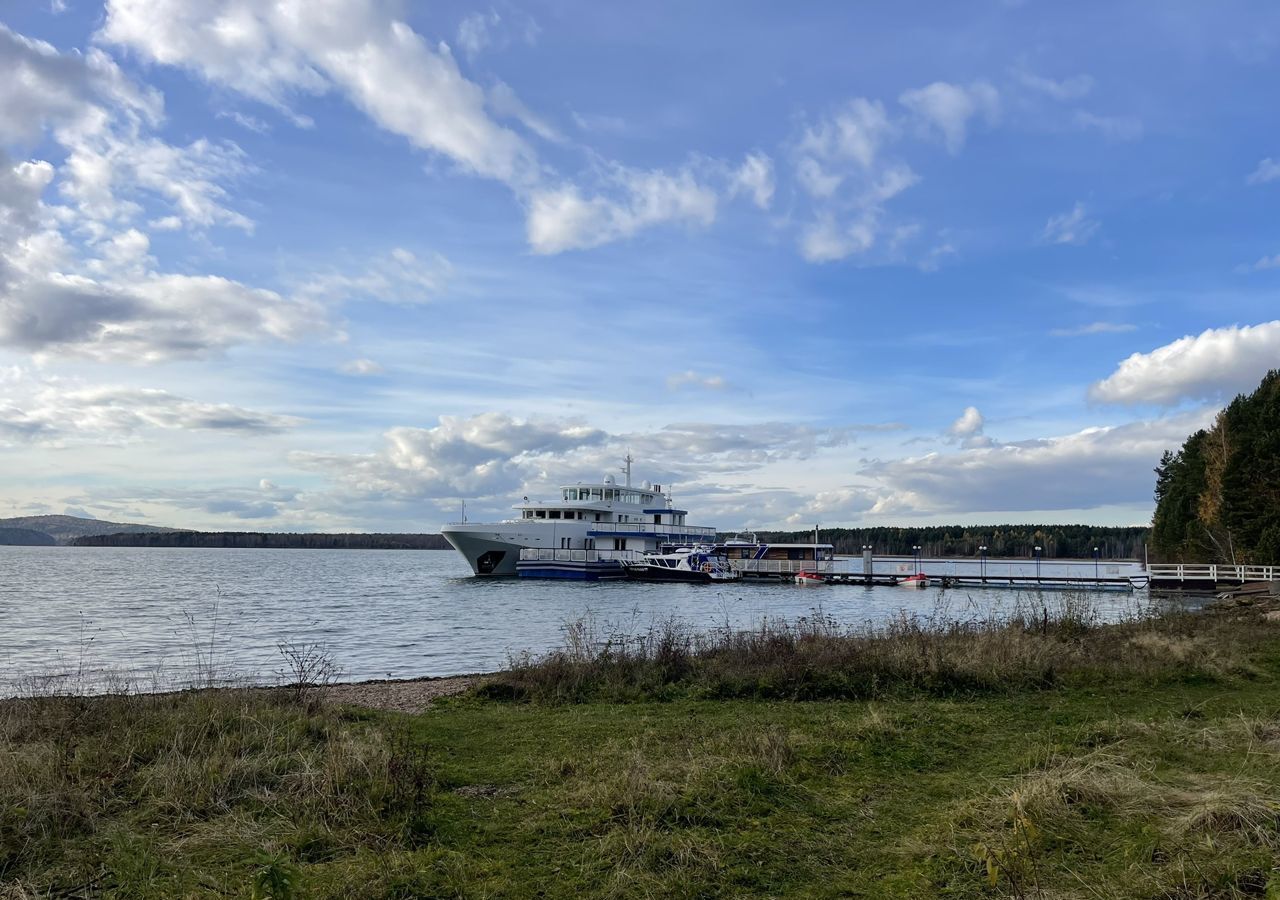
{"x":1152,"y":770}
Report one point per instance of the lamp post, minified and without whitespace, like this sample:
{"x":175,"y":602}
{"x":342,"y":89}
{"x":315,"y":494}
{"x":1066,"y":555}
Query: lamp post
{"x":1095,"y":564}
{"x":915,"y":551}
{"x":982,"y":562}
{"x":1037,"y":563}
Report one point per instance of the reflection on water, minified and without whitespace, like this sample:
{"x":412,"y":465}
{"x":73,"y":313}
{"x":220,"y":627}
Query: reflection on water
{"x":158,"y":617}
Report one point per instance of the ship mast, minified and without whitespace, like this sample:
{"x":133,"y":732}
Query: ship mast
{"x":626,"y":469}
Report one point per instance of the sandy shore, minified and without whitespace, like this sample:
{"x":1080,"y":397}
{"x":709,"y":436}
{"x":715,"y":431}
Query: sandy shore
{"x":401,"y":696}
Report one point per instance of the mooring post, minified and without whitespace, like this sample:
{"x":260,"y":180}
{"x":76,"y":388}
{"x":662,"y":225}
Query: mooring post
{"x":868,"y":562}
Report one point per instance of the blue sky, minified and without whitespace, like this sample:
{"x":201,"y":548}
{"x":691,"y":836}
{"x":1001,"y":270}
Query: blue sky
{"x":340,"y":265}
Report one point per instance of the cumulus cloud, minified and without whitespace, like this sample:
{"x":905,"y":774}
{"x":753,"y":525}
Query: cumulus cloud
{"x":479,"y":456}
{"x":156,"y":318}
{"x":563,"y":218}
{"x":841,"y":164}
{"x":1071,"y":227}
{"x":1267,"y":262}
{"x":53,"y":414}
{"x":947,"y":109}
{"x":1214,"y":364}
{"x":968,"y":428}
{"x":1267,"y":170}
{"x":1090,"y":468}
{"x":754,"y":178}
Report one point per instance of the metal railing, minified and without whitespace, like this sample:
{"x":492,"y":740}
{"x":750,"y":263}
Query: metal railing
{"x":704,"y":535}
{"x":550,"y":554}
{"x":783,"y":566}
{"x":1185,"y":572}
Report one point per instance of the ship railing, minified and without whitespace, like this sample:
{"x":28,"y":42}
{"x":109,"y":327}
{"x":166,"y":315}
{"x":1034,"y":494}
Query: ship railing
{"x":549,"y":554}
{"x":706,"y":535}
{"x":1193,"y":572}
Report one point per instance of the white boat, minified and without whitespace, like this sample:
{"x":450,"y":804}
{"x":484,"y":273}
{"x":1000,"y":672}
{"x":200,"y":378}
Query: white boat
{"x":696,"y":565}
{"x":590,"y":532}
{"x":918,"y":580}
{"x":809,"y":579}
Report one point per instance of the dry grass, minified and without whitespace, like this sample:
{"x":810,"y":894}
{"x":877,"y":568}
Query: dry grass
{"x":148,"y":781}
{"x":818,"y":658}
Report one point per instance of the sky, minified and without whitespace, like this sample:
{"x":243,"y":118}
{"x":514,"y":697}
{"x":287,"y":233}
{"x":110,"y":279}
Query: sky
{"x":335,"y":265}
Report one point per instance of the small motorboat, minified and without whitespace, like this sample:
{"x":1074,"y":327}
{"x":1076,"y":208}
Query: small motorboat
{"x":696,"y":565}
{"x":918,"y":580}
{"x":809,"y":578}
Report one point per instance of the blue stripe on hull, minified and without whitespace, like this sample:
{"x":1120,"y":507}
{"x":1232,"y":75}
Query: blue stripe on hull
{"x":570,"y":570}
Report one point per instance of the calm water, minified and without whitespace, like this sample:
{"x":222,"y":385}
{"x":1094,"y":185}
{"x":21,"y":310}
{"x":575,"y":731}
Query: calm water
{"x":161,"y":617}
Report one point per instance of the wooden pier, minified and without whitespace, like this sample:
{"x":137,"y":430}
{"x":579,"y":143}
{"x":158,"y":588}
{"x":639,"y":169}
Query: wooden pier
{"x":1208,"y":578}
{"x":965,"y":572}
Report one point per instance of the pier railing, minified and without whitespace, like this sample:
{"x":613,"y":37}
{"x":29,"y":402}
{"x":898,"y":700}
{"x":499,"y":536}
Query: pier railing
{"x":1185,"y":572}
{"x":782,"y":566}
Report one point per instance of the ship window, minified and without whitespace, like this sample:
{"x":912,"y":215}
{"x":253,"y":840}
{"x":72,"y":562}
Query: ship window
{"x":553,"y":514}
{"x":528,"y":514}
{"x":541,"y":513}
{"x":595,"y":494}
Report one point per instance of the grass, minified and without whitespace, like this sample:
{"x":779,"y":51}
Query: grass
{"x":1043,"y":756}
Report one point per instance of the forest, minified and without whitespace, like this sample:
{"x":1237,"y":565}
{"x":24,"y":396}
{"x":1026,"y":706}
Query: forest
{"x":1054,"y":541}
{"x":1218,"y":497}
{"x":266,"y":540}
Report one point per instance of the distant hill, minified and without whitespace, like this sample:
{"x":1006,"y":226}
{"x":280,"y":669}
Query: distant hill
{"x":25,"y":537}
{"x":65,"y":529}
{"x":266,"y":540}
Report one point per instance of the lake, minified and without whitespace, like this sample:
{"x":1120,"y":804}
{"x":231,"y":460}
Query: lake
{"x":156,"y":618}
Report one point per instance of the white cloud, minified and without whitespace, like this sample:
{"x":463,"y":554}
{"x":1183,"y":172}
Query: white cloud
{"x":1268,"y":170}
{"x":360,"y":367}
{"x":480,"y":456}
{"x":1113,"y":128}
{"x":1072,"y":227}
{"x":270,"y":51}
{"x":1074,"y":88}
{"x":1088,"y":469}
{"x":827,"y":240}
{"x":691,"y":379}
{"x":968,"y":429}
{"x":969,"y":423}
{"x":473,"y":31}
{"x":43,"y":88}
{"x":504,"y":104}
{"x":399,"y":277}
{"x":1094,"y":328}
{"x":562,"y":218}
{"x":840,"y":163}
{"x":852,"y":134}
{"x":948,"y":108}
{"x":754,"y":178}
{"x":157,"y":317}
{"x":1267,"y":262}
{"x":1212,"y":365}
{"x":54,"y":414}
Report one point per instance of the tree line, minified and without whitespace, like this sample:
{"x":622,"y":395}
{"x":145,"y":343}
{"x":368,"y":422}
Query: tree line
{"x":1218,"y":497}
{"x":1054,"y":541}
{"x":266,"y":540}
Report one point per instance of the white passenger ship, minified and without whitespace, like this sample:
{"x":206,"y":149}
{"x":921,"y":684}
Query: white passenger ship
{"x":589,"y":533}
